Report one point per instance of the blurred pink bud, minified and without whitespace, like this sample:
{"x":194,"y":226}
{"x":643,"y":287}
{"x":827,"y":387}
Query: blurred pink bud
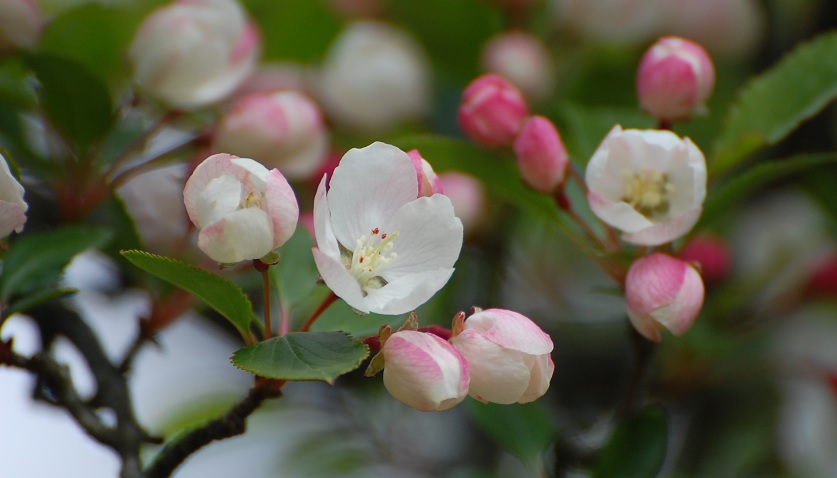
{"x":663,"y":292}
{"x":428,"y":181}
{"x":193,"y":53}
{"x":243,"y":211}
{"x":467,"y":195}
{"x":424,"y":371}
{"x":523,"y":59}
{"x":650,"y":184}
{"x":282,"y":130}
{"x":492,"y":111}
{"x":541,"y":155}
{"x":21,"y":24}
{"x":508,"y":355}
{"x":674,"y":80}
{"x":12,"y":206}
{"x":711,"y":253}
{"x":822,"y":282}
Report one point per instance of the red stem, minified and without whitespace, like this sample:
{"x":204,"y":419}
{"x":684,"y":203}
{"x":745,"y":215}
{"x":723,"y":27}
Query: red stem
{"x":330,"y":299}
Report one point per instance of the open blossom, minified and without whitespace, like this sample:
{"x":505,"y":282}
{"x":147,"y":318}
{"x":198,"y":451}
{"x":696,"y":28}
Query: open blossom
{"x":191,"y":53}
{"x":663,"y":292}
{"x":508,"y":356}
{"x":12,"y":206}
{"x":650,"y":184}
{"x":380,"y":247}
{"x":284,"y":130}
{"x":674,"y":79}
{"x":424,"y":371}
{"x":243,"y":211}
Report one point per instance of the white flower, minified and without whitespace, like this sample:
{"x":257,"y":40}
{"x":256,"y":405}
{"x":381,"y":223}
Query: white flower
{"x":12,"y":206}
{"x":243,"y":210}
{"x":378,"y":247}
{"x":650,"y":184}
{"x":192,"y":53}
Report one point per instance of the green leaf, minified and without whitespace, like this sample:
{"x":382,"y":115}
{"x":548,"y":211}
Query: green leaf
{"x":295,"y":30}
{"x":75,"y":101}
{"x":218,"y":293}
{"x":35,"y":261}
{"x":724,"y":197}
{"x":34,"y":299}
{"x":774,"y":104}
{"x":525,"y":430}
{"x":295,"y":275}
{"x":637,"y":447}
{"x":303,"y":356}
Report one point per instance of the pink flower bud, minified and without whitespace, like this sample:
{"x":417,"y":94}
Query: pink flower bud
{"x":711,"y":253}
{"x":541,"y":155}
{"x":822,"y":281}
{"x":193,"y":53}
{"x":663,"y":292}
{"x":21,"y":24}
{"x":283,"y":130}
{"x":492,"y":111}
{"x":508,"y":355}
{"x":242,"y":210}
{"x":424,"y":371}
{"x":674,"y":80}
{"x":12,"y":206}
{"x":428,"y":181}
{"x":467,"y":195}
{"x":523,"y":59}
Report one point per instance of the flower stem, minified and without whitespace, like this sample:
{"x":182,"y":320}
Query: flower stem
{"x":330,"y":299}
{"x":266,"y":285}
{"x":140,"y":142}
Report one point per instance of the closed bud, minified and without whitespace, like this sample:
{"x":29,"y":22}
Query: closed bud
{"x":508,"y":355}
{"x":428,"y":181}
{"x":523,"y":59}
{"x":674,"y":80}
{"x":282,"y":130}
{"x":541,"y":155}
{"x":424,"y":371}
{"x":492,"y":111}
{"x":192,"y":53}
{"x":21,"y":24}
{"x":711,"y":254}
{"x":663,"y":292}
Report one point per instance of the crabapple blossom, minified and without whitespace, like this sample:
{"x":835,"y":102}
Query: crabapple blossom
{"x":492,"y":111}
{"x":243,"y":211}
{"x":508,"y":356}
{"x":428,"y":181}
{"x":674,"y":79}
{"x":21,"y":24}
{"x":424,"y":371}
{"x":192,"y":53}
{"x":663,"y":292}
{"x":374,"y":75}
{"x":541,"y":156}
{"x":523,"y":59}
{"x":284,"y":130}
{"x":380,"y":247}
{"x":12,"y":206}
{"x":650,"y":184}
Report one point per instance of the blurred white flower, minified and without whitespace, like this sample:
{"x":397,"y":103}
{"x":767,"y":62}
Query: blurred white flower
{"x":610,"y":20}
{"x":650,"y":184}
{"x":12,"y":206}
{"x":380,"y":248}
{"x":523,"y":59}
{"x":729,"y":28}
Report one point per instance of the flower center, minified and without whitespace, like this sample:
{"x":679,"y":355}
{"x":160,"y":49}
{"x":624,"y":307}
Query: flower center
{"x":370,"y":254}
{"x":648,"y":191}
{"x":252,"y":199}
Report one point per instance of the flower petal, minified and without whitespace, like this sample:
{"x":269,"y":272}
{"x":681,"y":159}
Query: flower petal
{"x":221,"y":196}
{"x":340,"y":280}
{"x":211,"y":168}
{"x":430,"y":237}
{"x":665,"y":231}
{"x":282,"y":207}
{"x":242,"y":235}
{"x":618,"y":214}
{"x":406,"y":292}
{"x":497,"y":375}
{"x":541,"y":373}
{"x":12,"y":218}
{"x":510,"y":330}
{"x":323,"y":232}
{"x":368,"y":186}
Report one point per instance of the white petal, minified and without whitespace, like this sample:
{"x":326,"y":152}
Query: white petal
{"x":242,"y":235}
{"x":282,"y":207}
{"x":510,"y":330}
{"x":323,"y":232}
{"x":340,"y":280}
{"x":368,"y":186}
{"x":542,"y":368}
{"x":407,"y":292}
{"x":618,"y":214}
{"x":430,"y":237}
{"x":212,"y":167}
{"x":497,"y":375}
{"x":665,"y":232}
{"x":221,"y":196}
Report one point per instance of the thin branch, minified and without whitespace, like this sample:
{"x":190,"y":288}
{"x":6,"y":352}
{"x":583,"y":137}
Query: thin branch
{"x":643,"y":352}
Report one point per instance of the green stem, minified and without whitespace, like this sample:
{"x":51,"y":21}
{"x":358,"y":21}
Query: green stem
{"x":266,"y":285}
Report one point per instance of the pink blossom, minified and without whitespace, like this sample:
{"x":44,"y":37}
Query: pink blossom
{"x":674,"y":79}
{"x":508,"y":355}
{"x":663,"y":292}
{"x":424,"y":371}
{"x":467,"y":194}
{"x":541,"y":156}
{"x":492,"y":111}
{"x":243,"y":211}
{"x":711,"y":254}
{"x":428,"y":181}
